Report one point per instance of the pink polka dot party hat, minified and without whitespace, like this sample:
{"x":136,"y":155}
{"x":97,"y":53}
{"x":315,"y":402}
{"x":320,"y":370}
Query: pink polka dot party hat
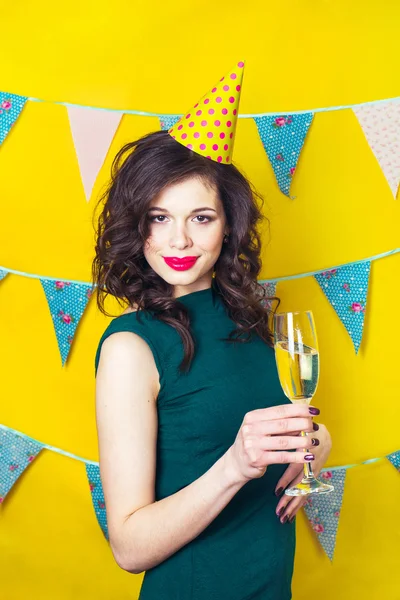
{"x":209,"y":128}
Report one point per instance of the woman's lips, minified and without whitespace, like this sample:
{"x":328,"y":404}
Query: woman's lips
{"x":182,"y":265}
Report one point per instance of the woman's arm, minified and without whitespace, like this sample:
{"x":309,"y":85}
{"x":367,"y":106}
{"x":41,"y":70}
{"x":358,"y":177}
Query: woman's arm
{"x":143,"y":532}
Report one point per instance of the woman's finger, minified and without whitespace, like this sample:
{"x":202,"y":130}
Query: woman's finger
{"x":292,"y":475}
{"x":278,"y":426}
{"x":287,"y":509}
{"x":269,"y":442}
{"x":315,"y":427}
{"x":277,"y":457}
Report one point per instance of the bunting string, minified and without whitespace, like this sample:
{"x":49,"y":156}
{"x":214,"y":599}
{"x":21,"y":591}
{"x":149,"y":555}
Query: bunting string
{"x":143,"y":113}
{"x":271,"y":280}
{"x":18,"y":451}
{"x":345,"y":286}
{"x":92,"y":462}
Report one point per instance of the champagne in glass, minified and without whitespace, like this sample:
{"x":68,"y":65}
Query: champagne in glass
{"x":297,"y":359}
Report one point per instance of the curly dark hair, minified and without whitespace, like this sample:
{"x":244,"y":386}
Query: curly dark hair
{"x":120,"y":269}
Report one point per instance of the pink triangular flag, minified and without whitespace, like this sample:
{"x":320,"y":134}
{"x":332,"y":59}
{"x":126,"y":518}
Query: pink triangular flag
{"x":92,"y":132}
{"x":381,"y":125}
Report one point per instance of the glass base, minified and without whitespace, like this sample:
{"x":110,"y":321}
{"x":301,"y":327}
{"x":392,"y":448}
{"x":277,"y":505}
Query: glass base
{"x":309,"y":486}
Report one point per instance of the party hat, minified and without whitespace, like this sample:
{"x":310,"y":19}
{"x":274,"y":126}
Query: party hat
{"x":210,"y":127}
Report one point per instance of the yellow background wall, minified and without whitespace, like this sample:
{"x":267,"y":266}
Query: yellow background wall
{"x":162,"y":57}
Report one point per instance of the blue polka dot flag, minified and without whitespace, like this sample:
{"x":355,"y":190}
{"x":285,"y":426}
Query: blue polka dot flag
{"x":167,"y":121}
{"x":323,"y":510}
{"x":283,"y":138}
{"x":67,"y":302}
{"x":96,"y":490}
{"x":394,"y":459}
{"x":270,"y":291}
{"x":3,"y":274}
{"x":11,"y":107}
{"x":346,"y":289}
{"x":16,"y":454}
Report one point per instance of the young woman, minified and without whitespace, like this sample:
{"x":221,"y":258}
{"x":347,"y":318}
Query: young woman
{"x":195,"y":433}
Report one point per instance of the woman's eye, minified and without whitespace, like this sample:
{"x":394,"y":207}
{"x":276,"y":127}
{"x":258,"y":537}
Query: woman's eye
{"x":153,"y":219}
{"x":203,"y":217}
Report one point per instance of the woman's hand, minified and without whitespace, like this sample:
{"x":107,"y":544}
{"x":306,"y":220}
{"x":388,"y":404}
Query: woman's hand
{"x":265,"y":437}
{"x":288,"y":506}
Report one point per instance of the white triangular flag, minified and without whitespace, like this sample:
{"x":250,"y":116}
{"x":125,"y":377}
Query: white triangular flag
{"x":92,"y":131}
{"x":381,"y":125}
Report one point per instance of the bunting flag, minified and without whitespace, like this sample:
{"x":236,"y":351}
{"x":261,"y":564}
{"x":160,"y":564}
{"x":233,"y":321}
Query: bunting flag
{"x":283,"y":138}
{"x":96,"y":490}
{"x":16,"y":454}
{"x":381,"y":126}
{"x":270,"y":291}
{"x":346,"y":289}
{"x":11,"y":106}
{"x":168,"y":121}
{"x":67,"y":302}
{"x":92,"y":132}
{"x":395,"y":459}
{"x":3,"y":274}
{"x":323,"y":510}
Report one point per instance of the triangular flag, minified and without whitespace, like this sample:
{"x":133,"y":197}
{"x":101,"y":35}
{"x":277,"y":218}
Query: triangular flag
{"x":380,"y":123}
{"x":209,"y":128}
{"x":283,"y":138}
{"x":3,"y":274}
{"x":11,"y":106}
{"x":16,"y":454}
{"x":92,"y":132}
{"x":168,"y":121}
{"x":323,"y":510}
{"x":96,"y":490}
{"x":67,"y":302}
{"x":270,"y":291}
{"x":394,"y":459}
{"x":346,"y":289}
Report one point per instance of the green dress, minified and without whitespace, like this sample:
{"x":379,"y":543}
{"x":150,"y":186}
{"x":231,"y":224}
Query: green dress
{"x":246,"y":553}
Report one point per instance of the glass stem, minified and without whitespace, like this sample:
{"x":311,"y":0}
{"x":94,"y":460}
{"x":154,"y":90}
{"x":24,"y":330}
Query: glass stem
{"x":308,"y":472}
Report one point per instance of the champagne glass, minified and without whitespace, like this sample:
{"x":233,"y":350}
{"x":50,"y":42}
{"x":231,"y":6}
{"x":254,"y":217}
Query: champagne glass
{"x":297,"y":359}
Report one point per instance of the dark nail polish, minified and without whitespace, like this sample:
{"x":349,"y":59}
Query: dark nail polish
{"x":315,"y":442}
{"x":314,"y":411}
{"x":315,"y":426}
{"x":292,"y":519}
{"x":280,"y":511}
{"x":285,"y":518}
{"x":309,"y":457}
{"x":279,"y":491}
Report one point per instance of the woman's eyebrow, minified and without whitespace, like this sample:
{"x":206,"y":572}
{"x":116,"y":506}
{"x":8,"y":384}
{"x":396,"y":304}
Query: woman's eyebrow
{"x":193,"y":211}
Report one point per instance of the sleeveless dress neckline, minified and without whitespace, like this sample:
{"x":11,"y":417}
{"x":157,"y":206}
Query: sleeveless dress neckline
{"x":188,"y":297}
{"x":202,"y":301}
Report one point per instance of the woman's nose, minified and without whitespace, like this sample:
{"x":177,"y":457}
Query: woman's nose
{"x":180,"y":239}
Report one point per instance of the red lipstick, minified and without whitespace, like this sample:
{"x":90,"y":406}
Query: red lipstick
{"x":180,"y":264}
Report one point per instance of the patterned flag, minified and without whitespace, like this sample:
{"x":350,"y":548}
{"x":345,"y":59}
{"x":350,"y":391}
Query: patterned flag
{"x":323,"y":510}
{"x":346,"y":289}
{"x":92,"y":131}
{"x":380,"y":123}
{"x":67,"y":302}
{"x":167,"y":121}
{"x":394,"y":459}
{"x":270,"y":291}
{"x":16,"y":454}
{"x":11,"y":106}
{"x":96,"y":490}
{"x":283,"y":139}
